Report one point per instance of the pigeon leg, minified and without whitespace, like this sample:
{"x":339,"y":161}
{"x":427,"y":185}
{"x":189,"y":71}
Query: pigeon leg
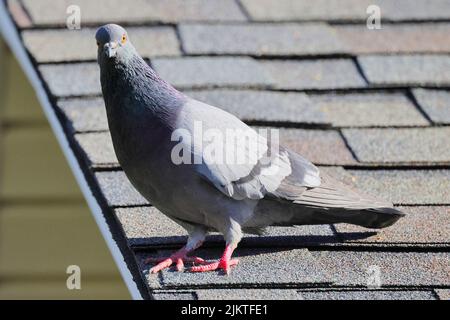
{"x":180,"y":257}
{"x":225,"y":263}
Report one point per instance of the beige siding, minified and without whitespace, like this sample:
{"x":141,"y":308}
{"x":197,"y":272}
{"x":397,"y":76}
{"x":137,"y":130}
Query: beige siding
{"x":45,"y":224}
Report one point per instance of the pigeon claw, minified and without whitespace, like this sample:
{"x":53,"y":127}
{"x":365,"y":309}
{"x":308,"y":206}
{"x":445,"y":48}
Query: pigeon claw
{"x":178,"y":260}
{"x":224,"y":265}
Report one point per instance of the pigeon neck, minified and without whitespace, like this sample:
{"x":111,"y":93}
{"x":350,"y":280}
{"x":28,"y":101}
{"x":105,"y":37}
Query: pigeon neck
{"x":133,"y":84}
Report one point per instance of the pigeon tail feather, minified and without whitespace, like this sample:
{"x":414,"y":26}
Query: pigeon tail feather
{"x":334,"y":202}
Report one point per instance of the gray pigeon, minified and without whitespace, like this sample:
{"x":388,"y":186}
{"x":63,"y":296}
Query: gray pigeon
{"x":154,"y":129}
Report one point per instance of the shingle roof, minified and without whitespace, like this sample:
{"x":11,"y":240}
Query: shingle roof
{"x":369,"y":106}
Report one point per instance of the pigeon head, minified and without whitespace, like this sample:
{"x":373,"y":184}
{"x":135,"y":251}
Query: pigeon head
{"x":125,"y":76}
{"x":113,"y":43}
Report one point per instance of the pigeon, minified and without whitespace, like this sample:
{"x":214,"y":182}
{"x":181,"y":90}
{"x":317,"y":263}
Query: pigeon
{"x":172,"y":149}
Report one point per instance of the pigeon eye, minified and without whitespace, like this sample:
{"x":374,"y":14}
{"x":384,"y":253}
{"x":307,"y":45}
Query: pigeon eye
{"x":124,"y":39}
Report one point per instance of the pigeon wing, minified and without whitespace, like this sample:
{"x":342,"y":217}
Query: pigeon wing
{"x":240,"y":162}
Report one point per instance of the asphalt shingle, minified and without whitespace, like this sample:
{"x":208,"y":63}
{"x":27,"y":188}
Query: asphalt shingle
{"x":400,"y":145}
{"x":98,"y":149}
{"x":73,"y":79}
{"x":315,"y":74}
{"x":266,"y":106}
{"x":173,"y":295}
{"x":228,"y":294}
{"x":421,"y":225}
{"x":404,"y":186}
{"x":301,"y":10}
{"x":86,"y":114}
{"x":18,"y":14}
{"x":147,"y":226}
{"x":435,"y":103}
{"x":354,"y":110}
{"x":405,"y":10}
{"x":260,"y":39}
{"x":368,"y":295}
{"x":318,"y":146}
{"x":402,"y":70}
{"x":348,"y":10}
{"x":257,"y":267}
{"x":396,"y":38}
{"x":247,"y":294}
{"x":370,"y":109}
{"x":360,"y":268}
{"x":55,"y":45}
{"x":193,"y":72}
{"x":48,"y":12}
{"x":325,"y":147}
{"x":443,"y":294}
{"x":117,"y":189}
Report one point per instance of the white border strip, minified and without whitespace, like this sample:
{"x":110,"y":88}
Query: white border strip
{"x":12,"y":37}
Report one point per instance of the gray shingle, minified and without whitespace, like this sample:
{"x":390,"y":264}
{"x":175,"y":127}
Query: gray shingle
{"x":443,"y":294}
{"x":394,"y":38}
{"x":247,"y":294}
{"x":371,"y":109}
{"x":404,"y":186}
{"x":318,"y":146}
{"x":395,"y":268}
{"x":48,"y":12}
{"x":147,"y":226}
{"x":426,"y":225}
{"x":257,"y":267}
{"x":192,"y":72}
{"x":173,"y":295}
{"x":435,"y":103}
{"x":281,"y":10}
{"x":18,"y":14}
{"x":315,"y":74}
{"x":67,"y":45}
{"x":395,"y":10}
{"x":404,"y":70}
{"x":98,"y":148}
{"x":400,"y":145}
{"x":368,"y":295}
{"x":260,"y":39}
{"x":250,"y":105}
{"x":118,"y":190}
{"x":398,"y":10}
{"x":340,"y":110}
{"x":73,"y":79}
{"x":87,"y":114}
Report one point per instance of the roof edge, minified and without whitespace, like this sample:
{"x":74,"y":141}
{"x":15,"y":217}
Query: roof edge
{"x":12,"y":38}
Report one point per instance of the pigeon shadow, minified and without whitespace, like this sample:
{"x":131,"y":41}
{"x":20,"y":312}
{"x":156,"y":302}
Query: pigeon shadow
{"x":354,"y":236}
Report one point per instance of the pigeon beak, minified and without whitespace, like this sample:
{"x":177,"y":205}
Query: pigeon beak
{"x":110,"y":49}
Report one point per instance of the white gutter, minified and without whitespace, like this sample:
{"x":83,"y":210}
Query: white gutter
{"x":11,"y":36}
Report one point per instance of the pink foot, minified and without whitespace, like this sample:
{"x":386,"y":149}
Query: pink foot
{"x":225,"y":263}
{"x":221,"y":264}
{"x":179,"y":258}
